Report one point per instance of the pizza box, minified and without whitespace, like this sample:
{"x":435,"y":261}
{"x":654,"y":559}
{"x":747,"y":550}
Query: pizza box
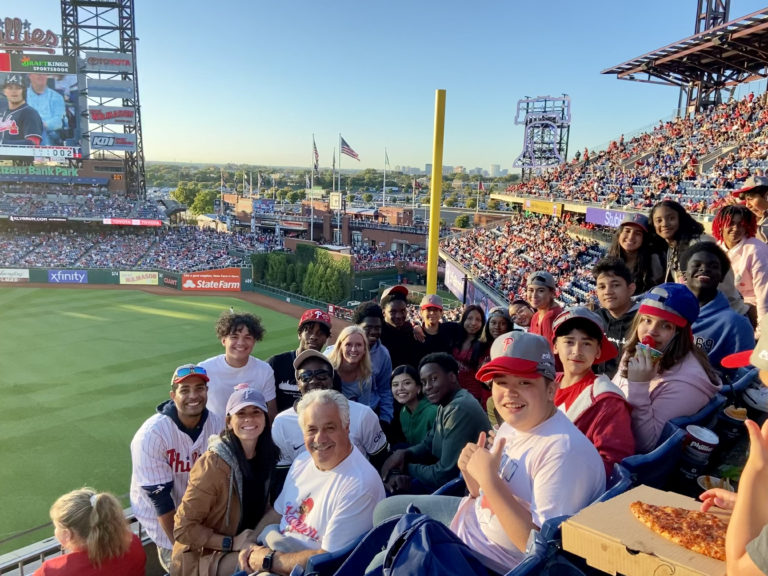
{"x":611,"y":539}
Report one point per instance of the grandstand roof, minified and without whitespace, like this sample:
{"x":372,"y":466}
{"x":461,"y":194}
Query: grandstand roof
{"x":736,"y":52}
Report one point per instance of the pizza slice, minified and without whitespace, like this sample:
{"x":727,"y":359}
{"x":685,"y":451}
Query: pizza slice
{"x":701,"y":532}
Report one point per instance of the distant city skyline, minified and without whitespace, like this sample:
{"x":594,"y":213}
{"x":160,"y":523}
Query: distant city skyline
{"x":251,"y":82}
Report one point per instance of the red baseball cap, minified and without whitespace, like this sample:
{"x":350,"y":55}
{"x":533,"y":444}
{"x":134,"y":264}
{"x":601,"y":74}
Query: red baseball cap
{"x":315,"y":315}
{"x":521,"y":354}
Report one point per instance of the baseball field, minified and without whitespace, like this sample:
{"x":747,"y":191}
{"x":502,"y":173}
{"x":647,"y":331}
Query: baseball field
{"x":81,"y":369}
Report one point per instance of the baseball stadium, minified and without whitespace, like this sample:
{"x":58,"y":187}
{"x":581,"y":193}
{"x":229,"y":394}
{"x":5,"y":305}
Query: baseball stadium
{"x":107,"y":286}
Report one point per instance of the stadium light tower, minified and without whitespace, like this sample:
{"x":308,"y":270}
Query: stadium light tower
{"x":101,"y":33}
{"x":547,"y":121}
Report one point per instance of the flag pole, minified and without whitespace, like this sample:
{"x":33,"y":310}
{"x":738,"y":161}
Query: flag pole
{"x":384,"y":188}
{"x":340,"y":162}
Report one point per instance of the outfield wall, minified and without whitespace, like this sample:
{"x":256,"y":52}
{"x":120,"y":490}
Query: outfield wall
{"x":222,"y":279}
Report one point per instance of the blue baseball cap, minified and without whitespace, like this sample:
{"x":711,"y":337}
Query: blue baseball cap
{"x":672,"y":302}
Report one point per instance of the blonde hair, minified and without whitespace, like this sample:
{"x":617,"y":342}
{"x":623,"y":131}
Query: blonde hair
{"x":364,"y":369}
{"x":97,"y":520}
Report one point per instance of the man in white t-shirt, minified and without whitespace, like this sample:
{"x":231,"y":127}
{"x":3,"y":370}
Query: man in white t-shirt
{"x":315,"y":372}
{"x":238,"y":334}
{"x":329,"y":496}
{"x":540,"y":465}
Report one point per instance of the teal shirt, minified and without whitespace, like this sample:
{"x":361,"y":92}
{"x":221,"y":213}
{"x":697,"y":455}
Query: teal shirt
{"x":416,"y":424}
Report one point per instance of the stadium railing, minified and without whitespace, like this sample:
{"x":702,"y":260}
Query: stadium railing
{"x":26,"y":560}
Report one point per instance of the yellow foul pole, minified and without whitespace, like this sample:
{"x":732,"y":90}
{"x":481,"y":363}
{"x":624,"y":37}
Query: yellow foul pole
{"x":435,"y":192}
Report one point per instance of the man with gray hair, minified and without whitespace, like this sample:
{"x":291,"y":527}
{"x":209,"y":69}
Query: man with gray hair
{"x":328,"y":498}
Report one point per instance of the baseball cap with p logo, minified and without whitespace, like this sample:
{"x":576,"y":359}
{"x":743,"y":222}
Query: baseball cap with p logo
{"x":520,"y":354}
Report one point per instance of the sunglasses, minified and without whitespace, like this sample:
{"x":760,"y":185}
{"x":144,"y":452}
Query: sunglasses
{"x":308,"y":375}
{"x":184,"y":371}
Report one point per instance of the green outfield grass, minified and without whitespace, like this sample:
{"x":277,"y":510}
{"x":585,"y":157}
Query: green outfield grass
{"x":80,"y":370}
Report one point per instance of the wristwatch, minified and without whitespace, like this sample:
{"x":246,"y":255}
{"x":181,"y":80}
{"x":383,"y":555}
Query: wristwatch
{"x":226,"y":544}
{"x":266,"y":564}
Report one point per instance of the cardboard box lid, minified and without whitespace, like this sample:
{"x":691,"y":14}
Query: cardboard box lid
{"x":589,"y":533}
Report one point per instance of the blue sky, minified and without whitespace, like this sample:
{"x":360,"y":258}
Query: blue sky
{"x":251,"y":80}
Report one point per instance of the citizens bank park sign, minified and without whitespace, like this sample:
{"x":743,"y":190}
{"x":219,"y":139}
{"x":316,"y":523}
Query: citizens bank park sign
{"x":227,"y":279}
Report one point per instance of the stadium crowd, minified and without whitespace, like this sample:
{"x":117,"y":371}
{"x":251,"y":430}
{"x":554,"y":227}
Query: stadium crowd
{"x":183,"y":249}
{"x":83,"y":206}
{"x":666,"y":162}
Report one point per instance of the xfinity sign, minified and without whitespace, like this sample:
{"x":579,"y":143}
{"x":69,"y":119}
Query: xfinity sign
{"x":68,"y":276}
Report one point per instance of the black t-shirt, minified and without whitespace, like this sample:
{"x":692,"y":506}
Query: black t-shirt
{"x":254,"y":495}
{"x":448,"y":335}
{"x":403,"y":347}
{"x":286,"y":387}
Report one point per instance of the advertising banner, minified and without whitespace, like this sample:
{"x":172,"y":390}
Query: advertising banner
{"x":38,"y":219}
{"x":543,"y":207}
{"x":14,"y":275}
{"x":612,"y":218}
{"x":454,"y":280}
{"x":111,"y":115}
{"x":68,"y":276}
{"x":38,"y":63}
{"x":112,"y":141}
{"x":98,"y":88}
{"x":131,"y":222}
{"x":169,"y":280}
{"x":142,"y":277}
{"x":64,"y":171}
{"x":222,"y":279}
{"x":109,"y":62}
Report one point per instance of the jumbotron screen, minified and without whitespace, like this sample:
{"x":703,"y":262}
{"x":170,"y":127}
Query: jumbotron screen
{"x":39,"y":111}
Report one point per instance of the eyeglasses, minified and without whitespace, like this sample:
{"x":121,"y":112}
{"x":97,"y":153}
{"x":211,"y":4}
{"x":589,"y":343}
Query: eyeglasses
{"x":308,"y":375}
{"x":188,"y":370}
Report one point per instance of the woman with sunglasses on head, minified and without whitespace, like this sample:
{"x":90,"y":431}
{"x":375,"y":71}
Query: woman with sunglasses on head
{"x":228,"y":491}
{"x":94,"y":536}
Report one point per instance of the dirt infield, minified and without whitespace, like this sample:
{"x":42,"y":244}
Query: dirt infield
{"x":251,"y":297}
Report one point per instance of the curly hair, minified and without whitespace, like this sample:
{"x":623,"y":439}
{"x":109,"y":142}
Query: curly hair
{"x":724,"y":218}
{"x":232,"y":323}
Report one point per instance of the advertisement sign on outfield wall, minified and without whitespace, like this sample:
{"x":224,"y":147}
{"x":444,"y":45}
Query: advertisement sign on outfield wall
{"x":139,"y":277}
{"x":14,"y":275}
{"x":612,"y":218}
{"x":67,"y":276}
{"x":132,"y":222}
{"x":98,"y":88}
{"x":222,"y":279}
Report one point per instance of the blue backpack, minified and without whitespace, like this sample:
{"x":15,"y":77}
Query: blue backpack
{"x":418,"y":546}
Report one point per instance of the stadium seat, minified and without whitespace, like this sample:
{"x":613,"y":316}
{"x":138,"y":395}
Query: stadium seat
{"x":328,"y":563}
{"x":744,"y":377}
{"x":366,"y":548}
{"x":654,"y":468}
{"x":455,"y":487}
{"x":619,"y":482}
{"x":704,"y":417}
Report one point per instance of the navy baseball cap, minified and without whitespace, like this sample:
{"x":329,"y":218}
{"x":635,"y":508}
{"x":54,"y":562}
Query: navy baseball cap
{"x":243,"y":397}
{"x":581,"y":314}
{"x":672,"y":302}
{"x":520,"y":354}
{"x":637,"y":220}
{"x":14,"y":79}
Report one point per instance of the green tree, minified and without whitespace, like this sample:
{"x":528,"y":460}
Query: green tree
{"x":367,"y":198}
{"x":450,"y":201}
{"x":461,"y":221}
{"x":293,"y":196}
{"x":203,"y":203}
{"x":472,"y":203}
{"x":185,"y":192}
{"x":493,"y":204}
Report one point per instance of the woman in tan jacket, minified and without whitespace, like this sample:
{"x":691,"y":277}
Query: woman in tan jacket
{"x":228,"y":491}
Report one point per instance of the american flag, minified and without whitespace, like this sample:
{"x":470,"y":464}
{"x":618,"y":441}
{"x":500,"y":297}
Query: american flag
{"x":317,"y":156}
{"x":347,"y":149}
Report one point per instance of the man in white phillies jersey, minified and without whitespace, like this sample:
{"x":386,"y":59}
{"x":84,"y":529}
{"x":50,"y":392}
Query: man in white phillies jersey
{"x":315,"y":372}
{"x":163,"y":452}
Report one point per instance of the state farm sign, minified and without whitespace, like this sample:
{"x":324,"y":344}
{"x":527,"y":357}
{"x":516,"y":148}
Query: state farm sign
{"x":222,"y":279}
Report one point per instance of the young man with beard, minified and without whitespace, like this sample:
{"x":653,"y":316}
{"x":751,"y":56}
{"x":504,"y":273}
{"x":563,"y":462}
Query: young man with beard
{"x":163,"y":452}
{"x":719,"y":331}
{"x":238,"y":334}
{"x":314,"y":331}
{"x":614,"y":288}
{"x":397,"y":332}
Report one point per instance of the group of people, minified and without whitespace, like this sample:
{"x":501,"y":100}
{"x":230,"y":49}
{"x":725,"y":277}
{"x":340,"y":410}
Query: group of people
{"x":83,"y":205}
{"x":665,"y":162}
{"x":181,"y":249}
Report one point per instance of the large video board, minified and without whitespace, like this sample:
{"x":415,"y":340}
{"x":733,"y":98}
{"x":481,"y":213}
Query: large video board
{"x":39,"y":112}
